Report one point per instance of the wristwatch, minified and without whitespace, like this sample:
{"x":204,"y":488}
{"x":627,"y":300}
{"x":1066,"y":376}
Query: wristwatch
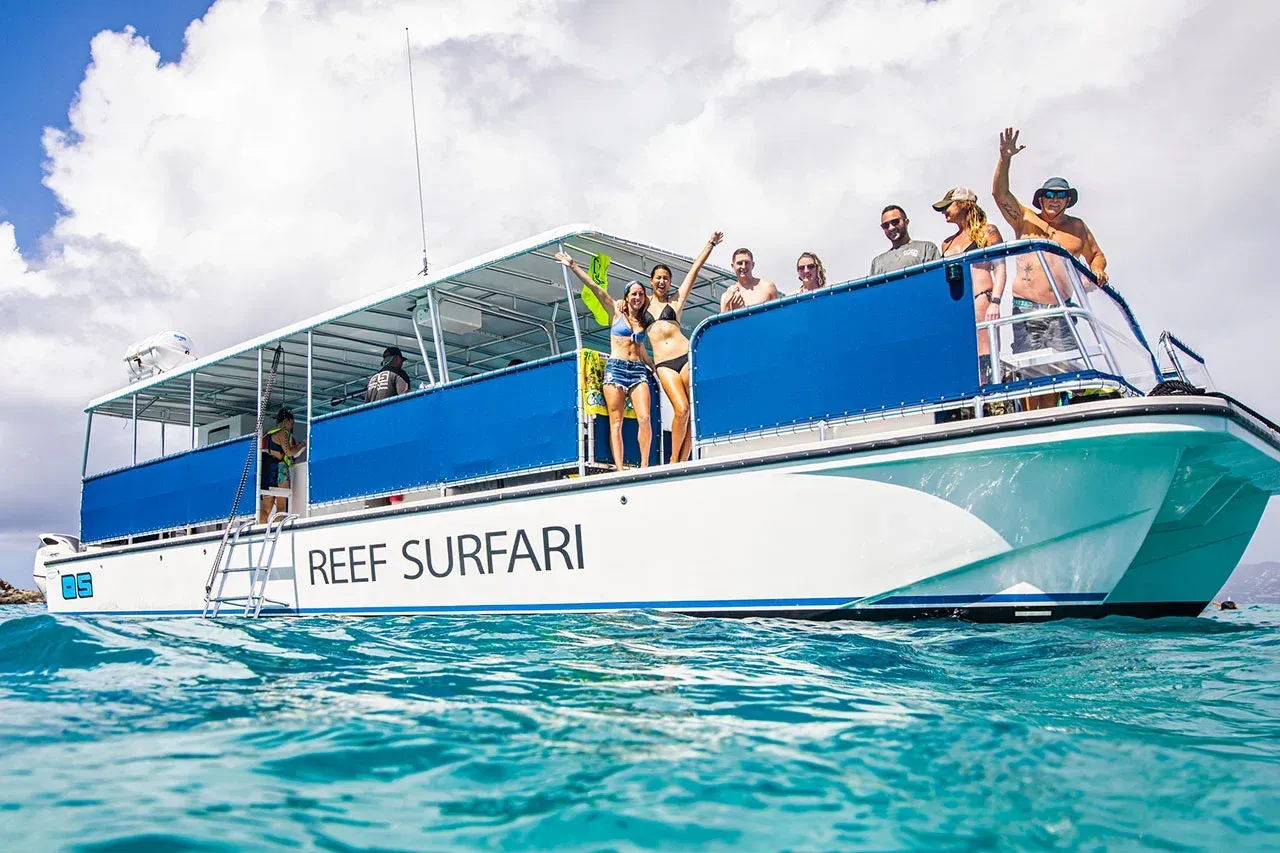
{"x":995,"y":300}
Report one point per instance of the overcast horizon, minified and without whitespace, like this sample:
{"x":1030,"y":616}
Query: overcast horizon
{"x":267,"y":174}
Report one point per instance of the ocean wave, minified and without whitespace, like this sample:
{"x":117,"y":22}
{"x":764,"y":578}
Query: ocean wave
{"x":639,"y":730}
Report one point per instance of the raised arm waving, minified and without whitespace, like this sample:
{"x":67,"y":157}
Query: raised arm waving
{"x":603,"y":295}
{"x":686,"y":287}
{"x":1010,"y":207}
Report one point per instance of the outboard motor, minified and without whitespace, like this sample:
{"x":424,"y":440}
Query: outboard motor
{"x":160,"y":353}
{"x":52,"y":546}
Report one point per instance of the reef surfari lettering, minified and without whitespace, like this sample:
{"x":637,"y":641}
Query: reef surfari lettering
{"x":544,"y":549}
{"x":495,"y":551}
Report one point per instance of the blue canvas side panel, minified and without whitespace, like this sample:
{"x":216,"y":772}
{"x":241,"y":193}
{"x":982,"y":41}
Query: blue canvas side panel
{"x":501,"y":423}
{"x":188,"y":488}
{"x":846,"y":350}
{"x":630,"y":441}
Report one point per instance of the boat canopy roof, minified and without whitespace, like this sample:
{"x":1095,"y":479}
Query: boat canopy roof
{"x":511,"y":303}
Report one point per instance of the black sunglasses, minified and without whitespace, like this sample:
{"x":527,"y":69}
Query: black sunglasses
{"x":896,"y":222}
{"x":805,"y":267}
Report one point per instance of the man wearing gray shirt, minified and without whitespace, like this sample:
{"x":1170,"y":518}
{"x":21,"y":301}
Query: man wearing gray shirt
{"x":905,"y":252}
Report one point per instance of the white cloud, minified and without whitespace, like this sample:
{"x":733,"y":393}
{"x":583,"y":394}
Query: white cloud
{"x":269,"y":173}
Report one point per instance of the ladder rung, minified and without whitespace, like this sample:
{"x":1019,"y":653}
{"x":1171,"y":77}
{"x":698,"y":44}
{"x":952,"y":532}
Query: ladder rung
{"x":252,"y":569}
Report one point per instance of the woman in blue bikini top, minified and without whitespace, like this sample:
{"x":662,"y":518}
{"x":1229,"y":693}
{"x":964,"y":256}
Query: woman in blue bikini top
{"x":629,"y":370}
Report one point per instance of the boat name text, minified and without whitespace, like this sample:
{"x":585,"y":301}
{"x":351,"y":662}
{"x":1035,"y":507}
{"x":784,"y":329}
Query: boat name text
{"x":543,"y":550}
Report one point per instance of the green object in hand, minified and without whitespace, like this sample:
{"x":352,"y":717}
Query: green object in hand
{"x":600,"y":275}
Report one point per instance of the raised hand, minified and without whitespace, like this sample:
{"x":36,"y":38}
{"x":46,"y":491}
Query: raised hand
{"x":716,"y":238}
{"x":1009,"y":143}
{"x":564,"y":258}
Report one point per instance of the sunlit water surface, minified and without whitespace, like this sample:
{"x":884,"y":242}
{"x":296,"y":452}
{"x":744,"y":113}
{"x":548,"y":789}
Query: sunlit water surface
{"x":636,"y":731}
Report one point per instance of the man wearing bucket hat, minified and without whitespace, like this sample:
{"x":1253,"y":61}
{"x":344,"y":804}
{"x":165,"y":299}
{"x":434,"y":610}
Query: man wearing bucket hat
{"x":391,"y":380}
{"x":1033,"y":290}
{"x":1049,"y":220}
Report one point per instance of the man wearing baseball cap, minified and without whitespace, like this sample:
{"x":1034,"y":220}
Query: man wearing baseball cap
{"x":391,"y":380}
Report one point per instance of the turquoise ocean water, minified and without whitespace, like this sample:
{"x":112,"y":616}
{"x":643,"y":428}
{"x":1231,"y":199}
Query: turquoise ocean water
{"x":638,"y":731}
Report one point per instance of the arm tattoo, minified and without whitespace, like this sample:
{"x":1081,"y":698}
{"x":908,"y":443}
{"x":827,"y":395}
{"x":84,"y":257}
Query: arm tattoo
{"x":1012,"y":210}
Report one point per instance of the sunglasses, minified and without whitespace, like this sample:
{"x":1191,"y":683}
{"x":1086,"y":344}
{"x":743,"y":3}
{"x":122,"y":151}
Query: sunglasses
{"x":1056,"y":193}
{"x":805,"y":267}
{"x":896,"y":222}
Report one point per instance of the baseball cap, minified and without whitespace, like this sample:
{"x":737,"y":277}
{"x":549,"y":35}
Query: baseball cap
{"x":955,"y":194}
{"x":390,"y":354}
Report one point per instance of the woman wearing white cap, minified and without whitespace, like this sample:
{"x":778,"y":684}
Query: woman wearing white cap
{"x":973,"y":231}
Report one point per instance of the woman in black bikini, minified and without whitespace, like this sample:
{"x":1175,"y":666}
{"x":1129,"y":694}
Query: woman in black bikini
{"x":973,"y":231}
{"x":671,"y":347}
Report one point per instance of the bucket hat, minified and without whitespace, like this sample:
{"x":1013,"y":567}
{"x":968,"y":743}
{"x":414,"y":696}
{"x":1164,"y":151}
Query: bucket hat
{"x":1057,"y":184}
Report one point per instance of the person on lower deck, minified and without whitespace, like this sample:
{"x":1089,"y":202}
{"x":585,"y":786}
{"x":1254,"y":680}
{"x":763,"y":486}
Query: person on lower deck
{"x":747,"y":290}
{"x":973,"y":231}
{"x":629,"y":369}
{"x":1033,"y":290}
{"x":671,"y":347}
{"x":276,"y":461}
{"x":391,"y":380}
{"x":812,"y":275}
{"x":905,"y":252}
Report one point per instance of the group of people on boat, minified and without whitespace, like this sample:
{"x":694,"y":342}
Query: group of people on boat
{"x":648,"y":343}
{"x":653,"y":316}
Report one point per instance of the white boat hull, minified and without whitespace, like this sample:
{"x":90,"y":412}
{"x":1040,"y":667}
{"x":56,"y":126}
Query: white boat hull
{"x":1109,"y":508}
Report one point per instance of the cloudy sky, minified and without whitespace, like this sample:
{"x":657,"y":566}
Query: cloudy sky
{"x":255,"y":166}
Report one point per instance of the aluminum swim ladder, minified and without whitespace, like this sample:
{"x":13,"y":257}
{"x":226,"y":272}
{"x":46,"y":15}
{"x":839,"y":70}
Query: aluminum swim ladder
{"x":261,"y":569}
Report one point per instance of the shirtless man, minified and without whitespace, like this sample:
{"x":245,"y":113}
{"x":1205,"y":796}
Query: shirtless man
{"x":1049,"y":221}
{"x":1032,"y":290}
{"x":748,"y":290}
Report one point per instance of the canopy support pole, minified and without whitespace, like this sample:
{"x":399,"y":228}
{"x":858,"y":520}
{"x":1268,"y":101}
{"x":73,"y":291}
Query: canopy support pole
{"x":310,"y":377}
{"x":422,"y":349}
{"x":573,"y":313}
{"x":257,"y":444}
{"x":191,"y":408}
{"x":437,"y":335}
{"x":134,"y":418}
{"x":84,"y":462}
{"x":577,"y":346}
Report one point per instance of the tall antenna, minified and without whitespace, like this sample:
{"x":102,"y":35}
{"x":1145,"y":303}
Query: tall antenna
{"x":417,"y":158}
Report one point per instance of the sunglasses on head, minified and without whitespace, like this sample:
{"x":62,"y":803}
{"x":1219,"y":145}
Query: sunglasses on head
{"x":896,"y":222}
{"x":805,"y":267}
{"x":1056,"y":193}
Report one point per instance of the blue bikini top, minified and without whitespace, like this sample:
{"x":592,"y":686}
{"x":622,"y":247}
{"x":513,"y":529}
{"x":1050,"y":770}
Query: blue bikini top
{"x":622,"y":329}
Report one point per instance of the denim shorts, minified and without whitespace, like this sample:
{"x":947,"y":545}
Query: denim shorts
{"x":1041,"y":332}
{"x":625,"y":374}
